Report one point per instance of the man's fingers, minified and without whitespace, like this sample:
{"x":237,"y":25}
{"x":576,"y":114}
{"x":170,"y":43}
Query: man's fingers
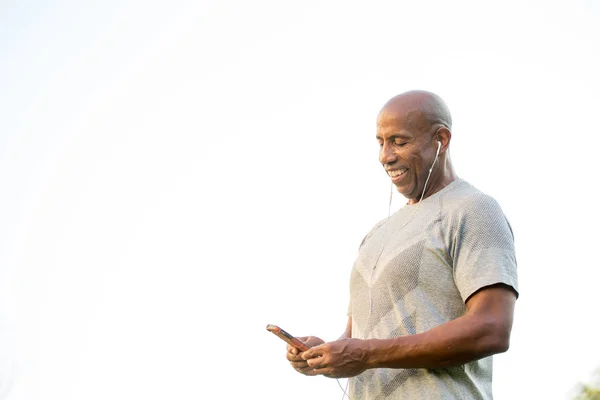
{"x":316,"y":363}
{"x":297,"y":358}
{"x":309,"y":372}
{"x":294,"y":357}
{"x":326,"y":371}
{"x":311,"y":367}
{"x":299,"y":364}
{"x":303,"y":368}
{"x":313,"y":352}
{"x":306,"y":371}
{"x":292,"y":350}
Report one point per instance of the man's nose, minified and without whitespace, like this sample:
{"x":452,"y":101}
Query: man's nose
{"x":386,"y":154}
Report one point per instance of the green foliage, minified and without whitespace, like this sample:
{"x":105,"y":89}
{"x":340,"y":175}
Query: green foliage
{"x":590,"y":391}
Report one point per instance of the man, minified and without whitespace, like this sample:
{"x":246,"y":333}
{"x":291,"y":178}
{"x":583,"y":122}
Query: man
{"x":433,"y":289}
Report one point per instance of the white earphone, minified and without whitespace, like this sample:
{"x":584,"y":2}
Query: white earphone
{"x":437,"y":153}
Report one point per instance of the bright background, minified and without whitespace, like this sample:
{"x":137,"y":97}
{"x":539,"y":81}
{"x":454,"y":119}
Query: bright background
{"x":177,"y":175}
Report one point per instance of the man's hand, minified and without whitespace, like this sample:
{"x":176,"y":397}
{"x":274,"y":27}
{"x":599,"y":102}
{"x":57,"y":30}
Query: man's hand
{"x":294,"y":356}
{"x":340,"y":359}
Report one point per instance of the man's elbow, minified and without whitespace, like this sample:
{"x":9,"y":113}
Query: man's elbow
{"x":497,"y":337}
{"x":501,"y":344}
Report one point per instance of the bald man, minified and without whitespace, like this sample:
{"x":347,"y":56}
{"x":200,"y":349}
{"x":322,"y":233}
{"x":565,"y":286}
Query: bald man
{"x":433,"y":289}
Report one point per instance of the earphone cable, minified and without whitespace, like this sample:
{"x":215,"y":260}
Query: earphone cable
{"x":344,"y":390}
{"x":437,"y":153}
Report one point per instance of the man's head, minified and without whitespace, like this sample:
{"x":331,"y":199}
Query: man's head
{"x":409,"y":127}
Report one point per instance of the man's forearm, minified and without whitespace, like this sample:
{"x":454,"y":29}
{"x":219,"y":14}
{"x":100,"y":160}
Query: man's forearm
{"x":457,"y":342}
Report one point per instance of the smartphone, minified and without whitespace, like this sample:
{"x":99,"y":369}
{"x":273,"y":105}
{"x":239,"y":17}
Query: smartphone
{"x":289,"y":339}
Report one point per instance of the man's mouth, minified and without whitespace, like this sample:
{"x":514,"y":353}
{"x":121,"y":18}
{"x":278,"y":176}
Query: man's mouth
{"x":397,"y":174}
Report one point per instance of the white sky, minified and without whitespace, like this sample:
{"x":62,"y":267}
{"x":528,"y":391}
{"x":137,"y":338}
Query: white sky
{"x":177,"y":175}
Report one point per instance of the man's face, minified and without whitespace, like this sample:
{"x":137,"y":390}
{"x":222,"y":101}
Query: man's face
{"x":407,"y":149}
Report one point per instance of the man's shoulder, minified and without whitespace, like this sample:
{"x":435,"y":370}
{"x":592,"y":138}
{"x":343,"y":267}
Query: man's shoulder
{"x":466,"y":201}
{"x":460,"y":189}
{"x":464,"y":198}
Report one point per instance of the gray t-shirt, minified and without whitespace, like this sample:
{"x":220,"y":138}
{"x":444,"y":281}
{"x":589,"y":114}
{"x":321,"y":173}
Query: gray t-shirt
{"x":415,"y":272}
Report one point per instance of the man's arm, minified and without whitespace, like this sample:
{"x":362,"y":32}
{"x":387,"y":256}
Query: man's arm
{"x":483,"y":330}
{"x":348,"y":332}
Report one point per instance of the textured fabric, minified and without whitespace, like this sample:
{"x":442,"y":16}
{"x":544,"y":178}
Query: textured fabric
{"x":415,"y":272}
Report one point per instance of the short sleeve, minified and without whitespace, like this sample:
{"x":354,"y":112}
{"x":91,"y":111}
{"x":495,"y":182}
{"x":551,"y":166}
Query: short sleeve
{"x":483,"y":251}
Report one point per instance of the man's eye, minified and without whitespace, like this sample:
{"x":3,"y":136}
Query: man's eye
{"x":399,"y":143}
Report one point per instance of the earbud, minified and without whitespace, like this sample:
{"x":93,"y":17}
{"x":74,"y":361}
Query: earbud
{"x":437,"y":153}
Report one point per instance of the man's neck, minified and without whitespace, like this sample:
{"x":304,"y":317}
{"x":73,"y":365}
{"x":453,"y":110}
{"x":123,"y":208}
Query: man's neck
{"x":437,"y":183}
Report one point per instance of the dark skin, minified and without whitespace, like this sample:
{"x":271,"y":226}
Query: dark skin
{"x":408,"y":129}
{"x":408,"y":138}
{"x":482,"y":331}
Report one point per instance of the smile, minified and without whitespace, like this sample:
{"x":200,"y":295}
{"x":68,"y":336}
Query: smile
{"x":397,"y":174}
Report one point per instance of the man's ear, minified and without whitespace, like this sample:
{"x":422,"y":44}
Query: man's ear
{"x":443,"y":136}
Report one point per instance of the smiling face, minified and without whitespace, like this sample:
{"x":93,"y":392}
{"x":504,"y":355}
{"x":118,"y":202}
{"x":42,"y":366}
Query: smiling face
{"x":408,"y":144}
